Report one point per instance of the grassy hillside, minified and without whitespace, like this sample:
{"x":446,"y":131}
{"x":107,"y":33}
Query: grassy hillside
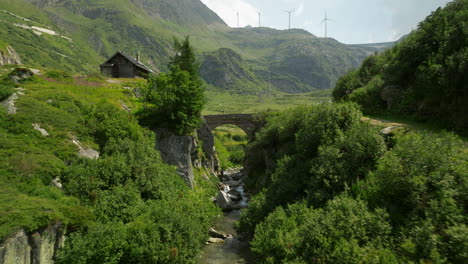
{"x":423,"y":77}
{"x":126,"y":201}
{"x":87,"y":32}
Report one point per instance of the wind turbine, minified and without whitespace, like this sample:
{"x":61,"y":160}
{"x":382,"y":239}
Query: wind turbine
{"x":326,"y":23}
{"x":289,"y":13}
{"x":237,"y":14}
{"x":258,"y":18}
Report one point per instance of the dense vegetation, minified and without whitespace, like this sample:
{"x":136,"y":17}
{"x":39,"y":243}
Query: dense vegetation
{"x":127,"y":206}
{"x":424,"y":76}
{"x":332,"y":189}
{"x":230,"y":143}
{"x":177,"y":98}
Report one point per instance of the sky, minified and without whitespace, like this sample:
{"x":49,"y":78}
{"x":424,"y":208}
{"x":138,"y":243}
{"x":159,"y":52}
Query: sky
{"x":354,"y":21}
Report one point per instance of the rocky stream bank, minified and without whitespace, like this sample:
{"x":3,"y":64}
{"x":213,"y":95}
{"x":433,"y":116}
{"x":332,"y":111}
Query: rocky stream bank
{"x":225,"y":246}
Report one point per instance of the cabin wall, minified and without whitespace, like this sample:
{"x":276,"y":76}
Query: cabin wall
{"x":106,"y":71}
{"x":141,"y":73}
{"x":123,"y":68}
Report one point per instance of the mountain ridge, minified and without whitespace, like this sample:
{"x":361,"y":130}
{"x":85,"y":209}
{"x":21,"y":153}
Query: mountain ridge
{"x":93,"y":30}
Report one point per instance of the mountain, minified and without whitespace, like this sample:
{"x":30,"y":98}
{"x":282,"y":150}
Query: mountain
{"x":78,"y":35}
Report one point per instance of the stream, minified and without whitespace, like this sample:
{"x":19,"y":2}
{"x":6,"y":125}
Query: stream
{"x":225,"y":245}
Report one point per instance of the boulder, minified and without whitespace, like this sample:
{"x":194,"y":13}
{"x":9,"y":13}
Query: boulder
{"x":57,"y":183}
{"x":235,"y":195}
{"x":223,"y":200}
{"x":215,"y":240}
{"x":43,"y":132}
{"x":216,"y":234}
{"x":85,"y":152}
{"x":390,"y":130}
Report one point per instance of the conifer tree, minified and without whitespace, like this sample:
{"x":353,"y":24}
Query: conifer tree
{"x":179,"y":94}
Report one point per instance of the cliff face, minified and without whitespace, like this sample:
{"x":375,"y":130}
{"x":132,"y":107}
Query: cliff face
{"x":9,"y":56}
{"x":181,"y":151}
{"x":38,"y":247}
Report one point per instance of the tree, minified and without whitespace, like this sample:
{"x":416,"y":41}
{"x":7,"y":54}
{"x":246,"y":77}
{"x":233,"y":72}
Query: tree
{"x":178,"y":96}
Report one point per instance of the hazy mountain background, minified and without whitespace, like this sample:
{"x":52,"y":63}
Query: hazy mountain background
{"x":248,"y":60}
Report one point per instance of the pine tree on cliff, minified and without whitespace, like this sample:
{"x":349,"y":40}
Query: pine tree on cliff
{"x":178,"y":96}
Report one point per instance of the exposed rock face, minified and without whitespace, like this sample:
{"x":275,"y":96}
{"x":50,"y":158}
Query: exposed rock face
{"x":9,"y":104}
{"x":176,"y":150}
{"x":20,"y":75}
{"x":16,"y":249}
{"x":181,"y":151}
{"x":39,"y":247}
{"x":208,"y":147}
{"x":9,"y":57}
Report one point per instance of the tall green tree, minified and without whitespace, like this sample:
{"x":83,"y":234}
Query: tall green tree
{"x":178,"y":96}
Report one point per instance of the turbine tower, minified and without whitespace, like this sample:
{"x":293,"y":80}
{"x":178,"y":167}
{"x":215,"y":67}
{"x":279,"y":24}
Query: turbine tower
{"x":258,"y":19}
{"x":237,"y":14}
{"x":326,"y":23}
{"x":289,"y":13}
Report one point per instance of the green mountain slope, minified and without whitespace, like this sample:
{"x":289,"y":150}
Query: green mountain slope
{"x":227,"y":70}
{"x":87,"y":32}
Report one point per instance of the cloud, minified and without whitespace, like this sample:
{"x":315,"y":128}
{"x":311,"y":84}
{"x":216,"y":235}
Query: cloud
{"x":300,"y":9}
{"x":407,"y":14}
{"x":227,"y":10}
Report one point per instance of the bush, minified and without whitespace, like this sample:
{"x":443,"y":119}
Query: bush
{"x":344,"y":231}
{"x":316,"y":153}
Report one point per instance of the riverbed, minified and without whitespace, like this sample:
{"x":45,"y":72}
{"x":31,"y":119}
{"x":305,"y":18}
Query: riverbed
{"x":232,"y":250}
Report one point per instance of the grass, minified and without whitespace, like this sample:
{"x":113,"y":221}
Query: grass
{"x":230,"y":142}
{"x":29,"y":161}
{"x":227,"y":103}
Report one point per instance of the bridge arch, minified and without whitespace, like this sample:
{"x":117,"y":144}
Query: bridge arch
{"x":246,"y":122}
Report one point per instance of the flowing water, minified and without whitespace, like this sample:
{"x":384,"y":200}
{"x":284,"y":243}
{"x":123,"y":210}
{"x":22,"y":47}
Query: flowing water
{"x":234,"y":250}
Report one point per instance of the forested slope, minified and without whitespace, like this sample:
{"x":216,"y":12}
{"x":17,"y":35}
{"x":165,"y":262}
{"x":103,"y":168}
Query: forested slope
{"x":425,"y":76}
{"x":332,"y":189}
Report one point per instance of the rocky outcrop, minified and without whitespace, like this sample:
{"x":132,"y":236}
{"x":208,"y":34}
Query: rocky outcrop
{"x":184,"y":152}
{"x":176,"y":150}
{"x":83,"y":151}
{"x":9,"y":56}
{"x":9,"y":104}
{"x":38,"y":247}
{"x":38,"y":127}
{"x":208,"y":146}
{"x":20,"y":75}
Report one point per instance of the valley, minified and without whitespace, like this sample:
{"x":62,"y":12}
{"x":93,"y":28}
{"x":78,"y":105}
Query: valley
{"x":241,"y":145}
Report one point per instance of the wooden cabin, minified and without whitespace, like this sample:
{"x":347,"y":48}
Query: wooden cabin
{"x":121,"y":65}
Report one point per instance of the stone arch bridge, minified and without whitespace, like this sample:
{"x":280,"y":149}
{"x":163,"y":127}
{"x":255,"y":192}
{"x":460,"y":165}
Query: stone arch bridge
{"x":250,"y":123}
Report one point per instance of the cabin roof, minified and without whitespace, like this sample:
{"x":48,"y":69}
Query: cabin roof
{"x":130,"y":58}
